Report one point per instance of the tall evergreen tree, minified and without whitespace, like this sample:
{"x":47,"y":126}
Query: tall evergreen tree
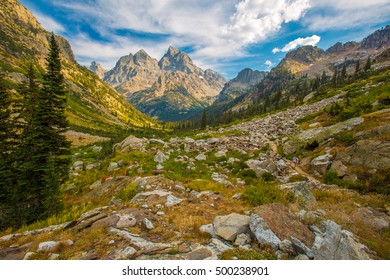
{"x":368,"y":64}
{"x":45,"y":149}
{"x":343,"y":72}
{"x":7,"y":140}
{"x":357,"y":68}
{"x":203,"y":121}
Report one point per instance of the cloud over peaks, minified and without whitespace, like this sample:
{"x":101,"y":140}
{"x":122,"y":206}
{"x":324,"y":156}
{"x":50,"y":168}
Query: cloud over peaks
{"x":312,"y":41}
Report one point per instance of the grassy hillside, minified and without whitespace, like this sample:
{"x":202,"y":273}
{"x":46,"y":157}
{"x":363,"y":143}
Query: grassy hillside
{"x":92,"y":104}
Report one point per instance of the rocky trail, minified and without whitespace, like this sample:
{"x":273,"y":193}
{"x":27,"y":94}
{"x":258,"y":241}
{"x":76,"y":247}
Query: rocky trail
{"x":204,"y":217}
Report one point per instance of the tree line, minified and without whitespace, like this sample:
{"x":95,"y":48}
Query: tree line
{"x":34,"y":153}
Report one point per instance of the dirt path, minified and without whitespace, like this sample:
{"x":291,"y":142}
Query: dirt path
{"x":274,"y":148}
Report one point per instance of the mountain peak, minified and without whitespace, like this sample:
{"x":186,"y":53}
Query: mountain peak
{"x":176,"y":60}
{"x":172,"y":51}
{"x":97,"y":69}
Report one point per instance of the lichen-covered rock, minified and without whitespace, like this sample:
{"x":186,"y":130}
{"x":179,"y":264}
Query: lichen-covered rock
{"x":228,"y":227}
{"x":338,"y":244}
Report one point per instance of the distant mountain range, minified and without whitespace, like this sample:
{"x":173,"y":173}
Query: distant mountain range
{"x":312,"y":62}
{"x":168,"y":89}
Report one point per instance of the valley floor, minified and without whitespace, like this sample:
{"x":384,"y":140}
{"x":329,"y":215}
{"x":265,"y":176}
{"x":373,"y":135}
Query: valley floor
{"x":226,"y":194}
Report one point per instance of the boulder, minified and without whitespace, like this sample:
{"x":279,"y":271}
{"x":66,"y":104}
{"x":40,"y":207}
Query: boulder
{"x":303,"y":192}
{"x":339,"y":167}
{"x":148,"y":224}
{"x":321,"y":164}
{"x":374,"y":154}
{"x":282,"y":223}
{"x":160,"y":157}
{"x":200,"y":157}
{"x":242,"y":239}
{"x":113,"y":166}
{"x":126,"y":220}
{"x":262,"y":232}
{"x":130,"y":143}
{"x":220,"y":154}
{"x":172,"y":201}
{"x":228,"y":227}
{"x":123,"y":254}
{"x":319,"y":135}
{"x":338,"y":244}
{"x":372,"y":218}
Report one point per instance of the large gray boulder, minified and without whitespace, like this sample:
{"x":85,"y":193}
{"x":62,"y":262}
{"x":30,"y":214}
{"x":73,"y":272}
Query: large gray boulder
{"x":228,"y":227}
{"x":338,"y":244}
{"x":319,"y":135}
{"x":130,"y":143}
{"x":373,"y":154}
{"x":262,"y":232}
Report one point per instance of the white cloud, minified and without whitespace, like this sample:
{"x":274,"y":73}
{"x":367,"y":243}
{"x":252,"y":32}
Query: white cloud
{"x":216,"y":29}
{"x":345,"y":14}
{"x":49,"y":23}
{"x":308,"y":41}
{"x":269,"y":63}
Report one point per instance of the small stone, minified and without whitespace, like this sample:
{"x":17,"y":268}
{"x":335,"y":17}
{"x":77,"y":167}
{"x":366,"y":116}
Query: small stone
{"x":242,"y":239}
{"x":54,"y":256}
{"x":286,"y":246}
{"x":113,"y":166}
{"x":200,"y":157}
{"x":47,"y":246}
{"x":301,"y":257}
{"x":28,"y":255}
{"x":126,"y":221}
{"x":220,"y":154}
{"x":148,"y":224}
{"x":172,"y":201}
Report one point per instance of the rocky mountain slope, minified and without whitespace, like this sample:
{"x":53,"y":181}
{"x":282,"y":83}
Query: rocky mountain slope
{"x":312,"y":62}
{"x":97,"y":69}
{"x":245,"y":79}
{"x":168,"y":89}
{"x":92,"y":104}
{"x":224,"y":194}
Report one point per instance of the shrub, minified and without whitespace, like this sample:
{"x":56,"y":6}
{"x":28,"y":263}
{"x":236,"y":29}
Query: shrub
{"x":265,"y":193}
{"x":242,"y":254}
{"x":331,"y":177}
{"x":128,"y":192}
{"x":296,"y":178}
{"x":268,"y":177}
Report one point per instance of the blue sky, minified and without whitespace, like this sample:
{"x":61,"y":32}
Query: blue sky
{"x":226,"y":36}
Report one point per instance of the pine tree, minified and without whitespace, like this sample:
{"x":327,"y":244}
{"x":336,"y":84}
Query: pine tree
{"x":324,"y":77}
{"x":357,"y":68}
{"x":203,"y":121}
{"x":45,"y":149}
{"x":7,"y":138}
{"x":343,"y":72}
{"x":368,"y":64}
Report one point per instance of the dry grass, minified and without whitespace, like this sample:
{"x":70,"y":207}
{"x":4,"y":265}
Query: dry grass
{"x":187,"y":217}
{"x":340,"y":206}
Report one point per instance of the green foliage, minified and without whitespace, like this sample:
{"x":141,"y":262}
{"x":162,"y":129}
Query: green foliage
{"x":265,"y":193}
{"x":203,"y":121}
{"x":331,"y":177}
{"x":267,"y":177}
{"x":128,"y":192}
{"x":296,"y":178}
{"x":243,"y":254}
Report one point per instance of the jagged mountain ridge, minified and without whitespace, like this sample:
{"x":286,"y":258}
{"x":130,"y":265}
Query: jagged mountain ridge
{"x":92,"y":104}
{"x":313,"y":61}
{"x":168,"y":89}
{"x":243,"y":81}
{"x":97,"y":69}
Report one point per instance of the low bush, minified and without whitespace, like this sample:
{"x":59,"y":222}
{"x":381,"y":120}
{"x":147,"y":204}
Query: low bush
{"x":265,"y":193}
{"x":128,"y":192}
